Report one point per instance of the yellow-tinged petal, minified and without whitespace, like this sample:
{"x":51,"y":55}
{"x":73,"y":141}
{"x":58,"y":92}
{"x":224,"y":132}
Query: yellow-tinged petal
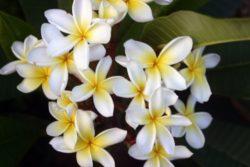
{"x":84,"y":157}
{"x":107,"y":11}
{"x":84,"y":125}
{"x":29,"y":85}
{"x":65,"y":99}
{"x":99,"y":32}
{"x":102,"y":156}
{"x":136,"y":8}
{"x":103,"y":68}
{"x":70,"y":136}
{"x":153,"y":81}
{"x":188,"y":75}
{"x":89,"y":75}
{"x":82,"y":92}
{"x":200,"y":89}
{"x":120,"y":5}
{"x":195,"y":137}
{"x":47,"y":91}
{"x":137,"y":75}
{"x":56,"y":128}
{"x":29,"y":71}
{"x":124,"y":88}
{"x":56,"y":111}
{"x":153,"y":162}
{"x":108,"y":84}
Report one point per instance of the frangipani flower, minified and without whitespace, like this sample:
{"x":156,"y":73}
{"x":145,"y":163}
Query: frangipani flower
{"x":33,"y":78}
{"x":65,"y":123}
{"x":138,"y":89}
{"x":97,"y":85}
{"x":65,"y":102}
{"x":20,"y":50}
{"x":158,"y":68}
{"x":61,"y":65}
{"x":195,"y":73}
{"x":200,"y":120}
{"x":90,"y":147}
{"x":156,"y":123}
{"x":158,"y":157}
{"x":81,"y":30}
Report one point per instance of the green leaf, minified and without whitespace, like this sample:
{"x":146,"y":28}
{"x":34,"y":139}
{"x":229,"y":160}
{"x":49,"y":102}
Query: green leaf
{"x":203,"y":29}
{"x":34,"y":11}
{"x":227,"y":144}
{"x":11,"y":29}
{"x":231,"y":77}
{"x":17,"y":135}
{"x":65,"y":4}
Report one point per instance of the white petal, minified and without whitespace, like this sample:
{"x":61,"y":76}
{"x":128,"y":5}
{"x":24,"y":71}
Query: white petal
{"x":103,"y":157}
{"x":136,"y":153}
{"x":9,"y":68}
{"x":146,"y":138}
{"x":122,"y":60}
{"x":153,"y":162}
{"x":164,"y":162}
{"x":96,"y":52}
{"x":61,"y":20}
{"x":56,"y":128}
{"x":136,"y":74}
{"x":18,"y":49}
{"x":29,"y":43}
{"x":84,"y":158}
{"x":180,"y":106}
{"x":29,"y":71}
{"x":82,"y":92}
{"x":153,"y":81}
{"x":201,"y":89}
{"x":191,"y":104}
{"x":84,"y":125}
{"x":195,"y":137}
{"x":178,"y":131}
{"x":56,"y":111}
{"x":163,"y":2}
{"x":81,"y":55}
{"x":50,"y":32}
{"x":166,"y":139}
{"x":104,"y":103}
{"x":110,"y":137}
{"x":103,"y":68}
{"x":176,"y":50}
{"x":211,"y":60}
{"x":29,"y":85}
{"x":40,"y":57}
{"x":61,"y":46}
{"x":123,"y":88}
{"x":70,"y":137}
{"x":99,"y":33}
{"x":172,"y":78}
{"x":140,"y":52}
{"x":138,"y":114}
{"x":48,"y":92}
{"x":202,"y":119}
{"x":82,"y":13}
{"x":188,"y":75}
{"x":135,"y":10}
{"x":58,"y":144}
{"x":177,"y":120}
{"x":181,"y":152}
{"x":59,"y":79}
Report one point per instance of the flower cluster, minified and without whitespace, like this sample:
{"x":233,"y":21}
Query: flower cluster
{"x":71,"y":42}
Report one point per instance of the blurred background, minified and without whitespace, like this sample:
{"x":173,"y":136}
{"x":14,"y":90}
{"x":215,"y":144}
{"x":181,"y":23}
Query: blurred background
{"x":23,"y":118}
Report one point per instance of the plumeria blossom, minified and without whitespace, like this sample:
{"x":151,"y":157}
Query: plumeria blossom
{"x":81,"y":31}
{"x":90,"y":147}
{"x":200,"y":120}
{"x":134,"y":8}
{"x":97,"y":85}
{"x":137,"y":88}
{"x":158,"y":68}
{"x":20,"y":50}
{"x":65,"y":101}
{"x":158,"y":157}
{"x":155,"y":122}
{"x":35,"y":77}
{"x":195,"y":73}
{"x":62,"y":65}
{"x":65,"y":123}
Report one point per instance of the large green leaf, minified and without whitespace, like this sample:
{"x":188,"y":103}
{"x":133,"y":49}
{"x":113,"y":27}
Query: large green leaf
{"x":11,"y":29}
{"x":227,"y":144}
{"x":34,"y":10}
{"x":203,"y":29}
{"x":17,"y":135}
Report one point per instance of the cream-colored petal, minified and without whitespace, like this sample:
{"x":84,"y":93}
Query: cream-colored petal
{"x":176,"y":120}
{"x":29,"y":85}
{"x":48,"y":92}
{"x":102,"y":156}
{"x":82,"y":92}
{"x":136,"y":153}
{"x":81,"y":55}
{"x":107,"y":11}
{"x":84,"y":125}
{"x":176,"y":50}
{"x":178,"y":131}
{"x":120,"y":5}
{"x":56,"y":111}
{"x":103,"y":68}
{"x":58,"y":144}
{"x":200,"y":89}
{"x":88,"y":75}
{"x":99,"y":33}
{"x":50,"y":32}
{"x":56,"y":128}
{"x":108,"y":84}
{"x":70,"y":137}
{"x":110,"y":137}
{"x":164,"y":162}
{"x":152,"y":162}
{"x":137,"y":114}
{"x":146,"y":138}
{"x":9,"y":68}
{"x":153,"y":81}
{"x":103,"y":103}
{"x":61,"y":19}
{"x":188,"y":75}
{"x":181,"y":152}
{"x":84,"y":158}
{"x":123,"y":88}
{"x":195,"y":137}
{"x":18,"y":49}
{"x":140,"y":52}
{"x":136,"y":8}
{"x":136,"y":75}
{"x":122,"y":60}
{"x":96,"y":52}
{"x":29,"y":43}
{"x":202,"y":119}
{"x":180,"y":106}
{"x":29,"y":71}
{"x":165,"y":138}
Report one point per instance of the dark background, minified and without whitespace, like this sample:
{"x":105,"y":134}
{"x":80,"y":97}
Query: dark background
{"x":23,"y":141}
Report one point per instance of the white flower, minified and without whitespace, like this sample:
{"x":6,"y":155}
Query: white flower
{"x":61,"y":65}
{"x":138,"y":88}
{"x":65,"y":102}
{"x":200,"y":120}
{"x":34,"y":77}
{"x":158,"y":68}
{"x":195,"y":73}
{"x":20,"y":50}
{"x":158,"y":157}
{"x":65,"y":123}
{"x":81,"y":32}
{"x":90,"y":147}
{"x":97,"y":85}
{"x":156,"y":123}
